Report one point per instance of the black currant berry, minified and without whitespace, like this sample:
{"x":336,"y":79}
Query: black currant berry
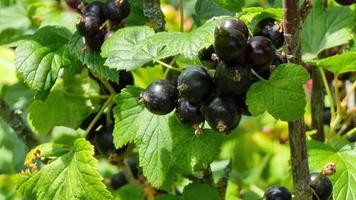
{"x":277,"y":61}
{"x":195,"y":84}
{"x":222,"y":114}
{"x":118,"y":180}
{"x":260,"y":52}
{"x":241,"y":104}
{"x":271,"y":30}
{"x":125,"y":78}
{"x":345,"y":2}
{"x":237,"y":25}
{"x":188,"y":113}
{"x":104,"y":139}
{"x":322,"y":188}
{"x":96,"y":8}
{"x":277,"y":193}
{"x":117,"y":10}
{"x":88,"y":24}
{"x":206,"y":57}
{"x":230,"y":42}
{"x":133,"y":165}
{"x":94,"y":42}
{"x":160,"y":97}
{"x":232,"y":80}
{"x":326,"y":115}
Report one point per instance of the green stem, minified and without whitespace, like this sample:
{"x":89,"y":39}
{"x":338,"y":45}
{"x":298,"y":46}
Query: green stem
{"x":98,"y":115}
{"x":350,"y":133}
{"x":257,"y":75}
{"x":181,"y":10}
{"x":337,"y":94}
{"x":328,"y":93}
{"x":106,"y":84}
{"x":257,"y":190}
{"x":167,"y":66}
{"x":87,"y":96}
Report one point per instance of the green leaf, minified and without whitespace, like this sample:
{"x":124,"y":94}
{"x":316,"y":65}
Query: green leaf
{"x":324,"y":29}
{"x":206,"y":9}
{"x":130,"y":192}
{"x":253,"y":15}
{"x":91,"y":58}
{"x":194,"y":152}
{"x":282,"y":95}
{"x":66,"y":105}
{"x":123,"y":48}
{"x":344,"y":180}
{"x":38,"y":59}
{"x":71,"y":176}
{"x":339,"y":64}
{"x":195,"y":191}
{"x":14,"y":17}
{"x":232,"y":5}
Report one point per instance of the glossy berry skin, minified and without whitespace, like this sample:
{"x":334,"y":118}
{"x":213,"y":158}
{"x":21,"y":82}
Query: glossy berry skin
{"x":230,"y":43}
{"x":206,"y":57}
{"x":277,"y":193}
{"x":237,"y":25}
{"x":271,"y":30}
{"x":117,"y":10}
{"x":195,"y":84}
{"x":104,"y":139}
{"x":232,"y":80}
{"x":88,"y":24}
{"x":345,"y":2}
{"x":96,"y":8}
{"x":260,"y":52}
{"x":94,"y":42}
{"x":241,"y":104}
{"x":160,"y":97}
{"x":125,"y":78}
{"x":188,"y":113}
{"x":118,"y":180}
{"x":222,"y":114}
{"x":323,"y":189}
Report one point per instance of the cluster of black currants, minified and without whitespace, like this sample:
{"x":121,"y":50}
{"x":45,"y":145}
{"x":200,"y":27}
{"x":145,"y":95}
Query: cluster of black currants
{"x":220,"y":99}
{"x":320,"y":184}
{"x":99,"y":19}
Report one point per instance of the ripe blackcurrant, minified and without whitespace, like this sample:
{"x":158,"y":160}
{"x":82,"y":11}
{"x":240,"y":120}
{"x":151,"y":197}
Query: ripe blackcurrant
{"x":222,"y":114}
{"x":104,"y":139}
{"x":232,"y":80}
{"x":322,"y":188}
{"x":345,"y":2}
{"x":241,"y":104}
{"x":230,"y":42}
{"x":206,"y":57}
{"x":96,"y":8}
{"x":160,"y":97}
{"x":237,"y":25}
{"x":94,"y":42}
{"x":125,"y":78}
{"x":118,"y":180}
{"x":277,"y":61}
{"x":271,"y":30}
{"x":277,"y":193}
{"x":195,"y":84}
{"x":133,"y":165}
{"x":117,"y":10}
{"x":188,"y":113}
{"x":88,"y":24}
{"x":260,"y":52}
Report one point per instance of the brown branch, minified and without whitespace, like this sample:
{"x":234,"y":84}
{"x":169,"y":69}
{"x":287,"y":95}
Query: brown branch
{"x":297,"y":137}
{"x":317,"y":104}
{"x":14,"y":120}
{"x":154,"y":15}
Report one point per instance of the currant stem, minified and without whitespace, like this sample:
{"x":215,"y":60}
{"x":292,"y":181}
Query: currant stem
{"x":328,"y":93}
{"x":167,"y":66}
{"x":98,"y":115}
{"x":337,"y":94}
{"x":257,"y":75}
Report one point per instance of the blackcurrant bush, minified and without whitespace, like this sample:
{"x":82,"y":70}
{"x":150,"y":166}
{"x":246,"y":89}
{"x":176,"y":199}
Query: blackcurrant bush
{"x":117,"y":10}
{"x":195,"y":84}
{"x":232,"y":80}
{"x":88,"y":24}
{"x":94,"y":42}
{"x":322,"y":188}
{"x":206,"y":57}
{"x":160,"y":97}
{"x":345,"y":2}
{"x":230,"y":43}
{"x":326,"y":115}
{"x":271,"y":30}
{"x":118,"y":180}
{"x":188,"y":113}
{"x":277,"y":193}
{"x":260,"y":52}
{"x":96,"y":8}
{"x":222,"y":114}
{"x":125,"y":78}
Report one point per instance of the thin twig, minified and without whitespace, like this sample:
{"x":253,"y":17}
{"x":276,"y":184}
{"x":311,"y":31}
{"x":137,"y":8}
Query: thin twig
{"x":328,"y":93}
{"x":168,"y":66}
{"x":257,"y":75}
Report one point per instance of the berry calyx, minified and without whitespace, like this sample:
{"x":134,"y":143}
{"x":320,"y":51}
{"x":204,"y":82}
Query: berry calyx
{"x":118,"y":180}
{"x":232,"y":80}
{"x":272,"y":30}
{"x":195,"y":84}
{"x":160,"y":97}
{"x":96,"y":8}
{"x":222,"y":114}
{"x":208,"y":57}
{"x":188,"y":113}
{"x":277,"y":193}
{"x":88,"y":24}
{"x":230,"y":43}
{"x":117,"y":10}
{"x":260,"y":52}
{"x":321,"y":186}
